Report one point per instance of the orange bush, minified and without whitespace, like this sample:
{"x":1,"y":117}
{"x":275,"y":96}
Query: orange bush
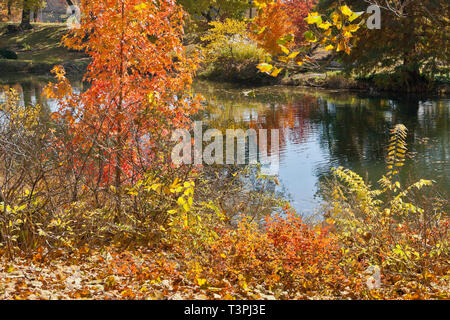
{"x":286,"y":258}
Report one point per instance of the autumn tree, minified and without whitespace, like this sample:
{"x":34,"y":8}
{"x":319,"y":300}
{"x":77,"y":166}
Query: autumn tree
{"x":139,"y":81}
{"x":29,"y":6}
{"x":411,"y":42}
{"x":224,"y":36}
{"x":274,"y":30}
{"x":271,"y":24}
{"x":26,"y":8}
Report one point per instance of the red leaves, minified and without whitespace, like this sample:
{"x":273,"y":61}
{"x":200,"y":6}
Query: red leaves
{"x":138,"y":78}
{"x":247,"y":261}
{"x":278,"y":19}
{"x":298,"y":11}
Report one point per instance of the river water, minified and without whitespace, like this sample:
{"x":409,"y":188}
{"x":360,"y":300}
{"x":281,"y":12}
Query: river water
{"x":319,"y":129}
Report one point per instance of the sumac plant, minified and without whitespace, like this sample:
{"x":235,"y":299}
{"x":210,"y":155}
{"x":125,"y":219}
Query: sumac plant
{"x":138,"y":90}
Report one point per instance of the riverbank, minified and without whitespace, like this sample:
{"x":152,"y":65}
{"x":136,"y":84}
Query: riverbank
{"x":38,"y":50}
{"x":333,"y":80}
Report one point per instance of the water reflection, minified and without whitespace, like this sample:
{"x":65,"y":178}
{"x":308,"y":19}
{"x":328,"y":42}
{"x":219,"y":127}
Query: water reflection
{"x":318,"y":130}
{"x":321,"y":129}
{"x":30,"y":89}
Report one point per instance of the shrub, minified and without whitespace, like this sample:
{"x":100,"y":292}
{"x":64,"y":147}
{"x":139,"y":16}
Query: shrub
{"x":240,"y":66}
{"x":387,"y":228}
{"x":8,"y":54}
{"x":230,"y":55}
{"x":284,"y":258}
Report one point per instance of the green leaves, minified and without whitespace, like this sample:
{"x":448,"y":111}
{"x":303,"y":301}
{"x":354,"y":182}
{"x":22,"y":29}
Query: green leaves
{"x":309,"y":36}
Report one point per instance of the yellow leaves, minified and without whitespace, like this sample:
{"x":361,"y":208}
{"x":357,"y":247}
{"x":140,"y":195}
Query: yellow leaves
{"x":355,"y":16}
{"x":181,"y":201}
{"x":132,"y":193}
{"x":262,"y":30}
{"x":347,"y":50}
{"x":339,"y":22}
{"x":327,"y":33}
{"x":140,"y":6}
{"x":229,"y":27}
{"x":276,"y":71}
{"x":202,"y":282}
{"x":175,"y":183}
{"x":242,"y":283}
{"x":314,"y":17}
{"x":283,"y":59}
{"x":347,"y":34}
{"x":310,"y":36}
{"x":351,"y":28}
{"x":346,"y":10}
{"x":396,"y":150}
{"x":59,"y":72}
{"x":262,"y":3}
{"x":340,"y":46}
{"x":17,"y":115}
{"x":152,"y":97}
{"x":325,"y":25}
{"x":223,"y":35}
{"x":293,"y":55}
{"x":284,"y":49}
{"x":382,"y":220}
{"x":336,"y":18}
{"x":185,"y":204}
{"x":264,"y":67}
{"x":185,"y":221}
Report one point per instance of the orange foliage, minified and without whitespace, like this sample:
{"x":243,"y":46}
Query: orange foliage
{"x":287,"y":256}
{"x":139,"y":81}
{"x":298,"y":11}
{"x":275,"y":21}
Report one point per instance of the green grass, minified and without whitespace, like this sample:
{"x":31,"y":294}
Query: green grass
{"x":42,"y":44}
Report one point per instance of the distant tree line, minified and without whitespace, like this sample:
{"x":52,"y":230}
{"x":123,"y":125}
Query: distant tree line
{"x":26,"y":7}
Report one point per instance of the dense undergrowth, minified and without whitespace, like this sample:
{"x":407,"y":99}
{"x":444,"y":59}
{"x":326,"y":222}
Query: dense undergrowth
{"x":195,"y":235}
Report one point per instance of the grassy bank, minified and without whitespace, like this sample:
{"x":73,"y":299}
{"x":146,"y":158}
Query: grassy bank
{"x":38,"y":50}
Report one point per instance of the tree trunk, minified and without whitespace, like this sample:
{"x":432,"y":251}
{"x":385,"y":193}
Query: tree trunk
{"x":10,"y":2}
{"x":26,"y":17}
